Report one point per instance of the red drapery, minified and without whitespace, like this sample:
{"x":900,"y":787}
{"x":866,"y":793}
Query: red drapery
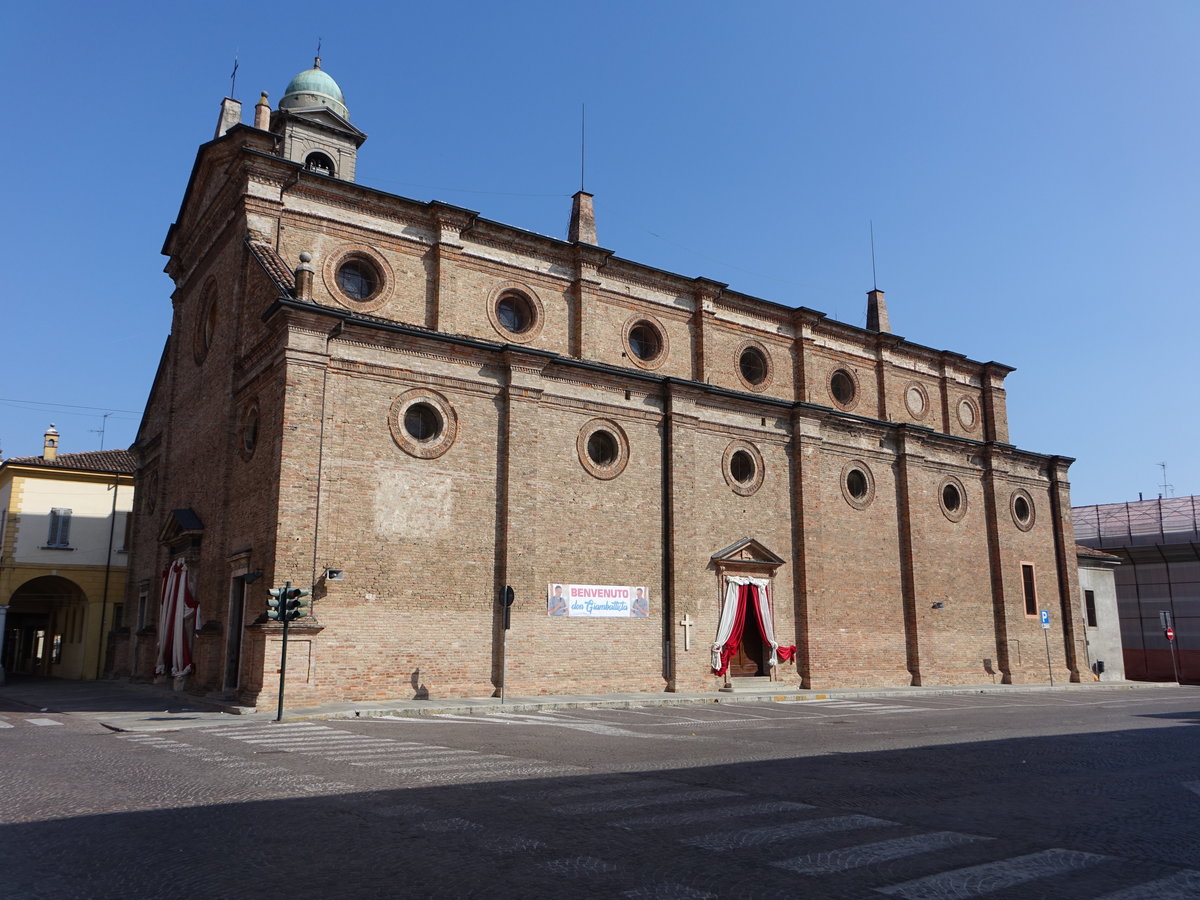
{"x":748,"y":600}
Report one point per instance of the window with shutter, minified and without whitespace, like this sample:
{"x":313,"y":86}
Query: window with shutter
{"x":60,"y":528}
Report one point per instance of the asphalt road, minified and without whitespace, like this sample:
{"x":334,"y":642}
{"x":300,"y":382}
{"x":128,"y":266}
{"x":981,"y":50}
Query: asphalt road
{"x":1039,"y":794}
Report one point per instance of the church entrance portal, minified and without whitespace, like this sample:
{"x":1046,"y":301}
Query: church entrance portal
{"x":748,"y":661}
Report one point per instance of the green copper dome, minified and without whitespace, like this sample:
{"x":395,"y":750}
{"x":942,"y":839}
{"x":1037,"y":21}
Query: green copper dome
{"x":313,"y":87}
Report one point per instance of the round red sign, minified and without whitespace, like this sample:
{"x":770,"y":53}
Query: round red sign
{"x":1170,"y":632}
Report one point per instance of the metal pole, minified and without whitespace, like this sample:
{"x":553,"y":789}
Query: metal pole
{"x":283,"y":650}
{"x":1174,"y":660}
{"x":504,"y":647}
{"x":1049,"y":668}
{"x":112,"y":527}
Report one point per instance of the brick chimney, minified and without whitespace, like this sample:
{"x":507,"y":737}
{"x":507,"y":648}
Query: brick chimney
{"x":877,"y":315}
{"x":262,"y":113}
{"x":583,"y":220}
{"x":50,"y":444}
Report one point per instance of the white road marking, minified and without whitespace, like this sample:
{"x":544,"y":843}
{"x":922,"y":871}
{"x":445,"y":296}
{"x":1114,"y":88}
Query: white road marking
{"x":622,"y":803}
{"x":5,"y":724}
{"x":43,"y":722}
{"x":769,"y":834}
{"x":1183,"y":885}
{"x":983,"y":879}
{"x":693,"y":817}
{"x":848,"y":858}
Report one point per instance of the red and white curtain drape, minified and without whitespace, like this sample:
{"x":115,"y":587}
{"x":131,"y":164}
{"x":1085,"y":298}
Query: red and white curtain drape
{"x":178,"y":621}
{"x":745,"y":595}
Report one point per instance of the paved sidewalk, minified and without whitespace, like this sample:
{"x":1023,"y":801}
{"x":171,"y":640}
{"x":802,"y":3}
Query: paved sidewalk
{"x":124,"y":706}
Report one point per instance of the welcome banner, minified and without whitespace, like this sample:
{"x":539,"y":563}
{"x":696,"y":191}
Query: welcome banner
{"x":597,"y":600}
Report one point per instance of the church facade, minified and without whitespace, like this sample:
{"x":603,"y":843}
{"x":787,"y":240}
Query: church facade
{"x":408,"y":408}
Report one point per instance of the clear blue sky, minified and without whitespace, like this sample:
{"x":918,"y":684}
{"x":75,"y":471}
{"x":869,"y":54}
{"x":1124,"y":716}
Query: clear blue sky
{"x":1030,"y":168}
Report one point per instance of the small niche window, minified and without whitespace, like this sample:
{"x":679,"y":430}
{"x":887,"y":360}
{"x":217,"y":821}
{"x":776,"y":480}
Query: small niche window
{"x":843,"y":388}
{"x":856,"y":484}
{"x":422,"y":422}
{"x":249,"y":431}
{"x":743,"y":468}
{"x":515,"y":313}
{"x":357,"y":279}
{"x":753,"y":366}
{"x":1089,"y":605}
{"x":319,"y":163}
{"x":1030,"y":587}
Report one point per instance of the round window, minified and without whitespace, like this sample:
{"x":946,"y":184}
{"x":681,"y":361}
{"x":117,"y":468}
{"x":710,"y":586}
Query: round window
{"x":357,"y":279}
{"x":515,"y":313}
{"x":422,"y":422}
{"x":742,"y":467}
{"x":953,"y":499}
{"x":1020,"y":504}
{"x":602,"y":448}
{"x":967,"y":414}
{"x":250,"y":430}
{"x":753,"y":365}
{"x":856,"y":484}
{"x":916,"y":400}
{"x":842,"y":387}
{"x":645,"y":341}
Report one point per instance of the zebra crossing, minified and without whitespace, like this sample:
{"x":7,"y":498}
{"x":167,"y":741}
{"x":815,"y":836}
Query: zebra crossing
{"x":414,"y":762}
{"x":711,"y":828}
{"x":943,"y":864}
{"x":39,"y":720}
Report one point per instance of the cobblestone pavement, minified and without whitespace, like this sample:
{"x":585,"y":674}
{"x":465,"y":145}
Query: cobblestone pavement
{"x":1016,"y":796}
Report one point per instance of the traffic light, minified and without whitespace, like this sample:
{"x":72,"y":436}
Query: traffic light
{"x":294,"y":604}
{"x":275,"y":604}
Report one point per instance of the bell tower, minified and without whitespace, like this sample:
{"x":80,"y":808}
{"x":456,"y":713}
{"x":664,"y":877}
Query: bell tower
{"x":314,"y":123}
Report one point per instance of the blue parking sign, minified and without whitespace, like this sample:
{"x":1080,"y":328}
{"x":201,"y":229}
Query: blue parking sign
{"x":1045,"y":618}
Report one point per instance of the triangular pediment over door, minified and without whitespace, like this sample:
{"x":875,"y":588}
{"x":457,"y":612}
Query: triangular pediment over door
{"x":749,"y":556}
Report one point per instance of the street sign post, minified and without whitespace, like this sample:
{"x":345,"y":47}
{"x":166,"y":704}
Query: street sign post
{"x":1046,"y":634}
{"x":1168,"y":627}
{"x":507,"y":596}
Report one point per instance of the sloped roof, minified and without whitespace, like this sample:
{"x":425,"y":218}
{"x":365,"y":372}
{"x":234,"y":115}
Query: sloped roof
{"x":276,"y":269}
{"x":1087,"y":552}
{"x":116,"y":461}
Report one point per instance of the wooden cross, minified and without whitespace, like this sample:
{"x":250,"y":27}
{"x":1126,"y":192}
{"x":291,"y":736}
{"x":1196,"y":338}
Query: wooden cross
{"x":687,"y":624}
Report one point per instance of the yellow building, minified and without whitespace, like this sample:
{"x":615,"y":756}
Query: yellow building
{"x":63,"y":538}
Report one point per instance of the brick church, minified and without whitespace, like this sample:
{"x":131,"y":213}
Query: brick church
{"x":407,"y":407}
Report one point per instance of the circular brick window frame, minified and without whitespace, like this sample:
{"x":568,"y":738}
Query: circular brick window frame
{"x":384,"y":280}
{"x":748,"y":487}
{"x":606,"y":471}
{"x":537,"y":311}
{"x":664,"y":345}
{"x":951,"y":484}
{"x":867,"y":497}
{"x":753,"y":346}
{"x":206,"y":322}
{"x":967,"y":411}
{"x":447,"y":419}
{"x":914,"y":389}
{"x":856,"y":392}
{"x":1030,"y":519}
{"x":248,"y":430}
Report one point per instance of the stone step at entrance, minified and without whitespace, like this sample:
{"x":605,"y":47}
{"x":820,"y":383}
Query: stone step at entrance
{"x":757,"y":684}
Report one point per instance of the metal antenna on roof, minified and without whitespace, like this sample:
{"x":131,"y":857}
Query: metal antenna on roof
{"x":233,"y":77}
{"x":582,"y":141}
{"x":100,"y":430}
{"x":317,"y":61}
{"x":1168,"y":489}
{"x":874,"y":280}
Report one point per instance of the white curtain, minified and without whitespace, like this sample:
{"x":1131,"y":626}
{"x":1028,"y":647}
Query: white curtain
{"x":729,"y":613}
{"x":178,"y":619}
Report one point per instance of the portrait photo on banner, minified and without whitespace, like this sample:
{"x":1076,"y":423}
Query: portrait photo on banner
{"x":597,"y":600}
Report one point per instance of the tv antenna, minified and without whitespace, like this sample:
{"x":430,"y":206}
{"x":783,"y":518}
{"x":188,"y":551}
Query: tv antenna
{"x":100,"y":430}
{"x":1167,"y":489}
